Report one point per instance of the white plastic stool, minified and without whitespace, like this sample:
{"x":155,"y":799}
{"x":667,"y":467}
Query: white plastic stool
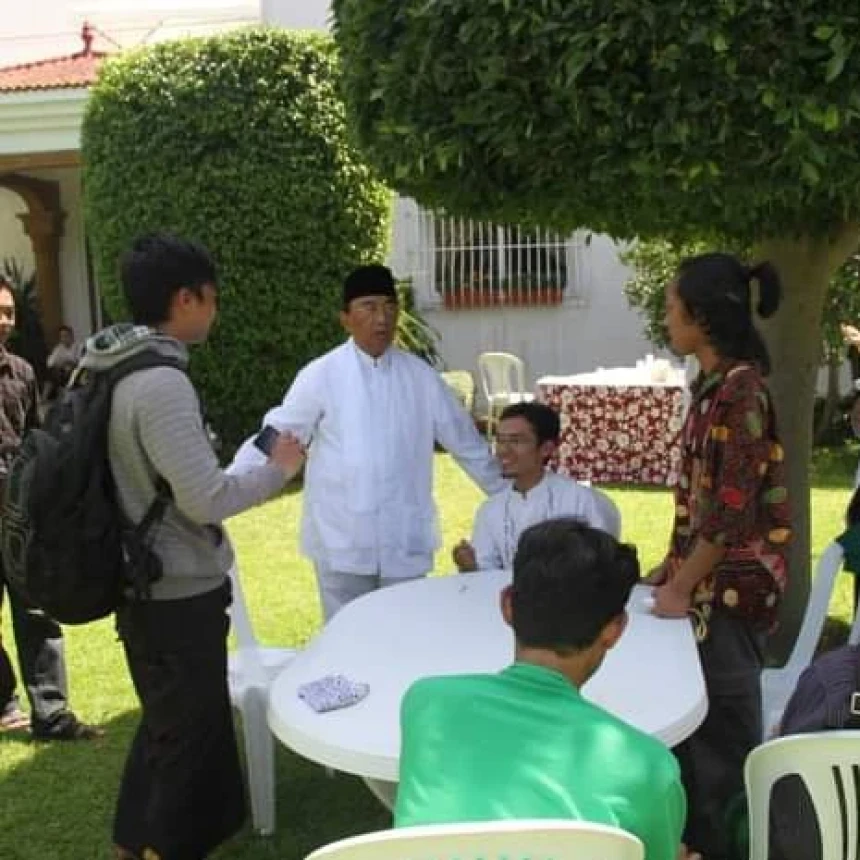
{"x":250,"y":672}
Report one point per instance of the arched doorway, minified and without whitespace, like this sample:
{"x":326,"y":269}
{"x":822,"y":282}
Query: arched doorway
{"x":43,"y":223}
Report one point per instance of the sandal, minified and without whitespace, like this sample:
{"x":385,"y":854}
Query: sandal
{"x":68,"y":728}
{"x":14,"y":718}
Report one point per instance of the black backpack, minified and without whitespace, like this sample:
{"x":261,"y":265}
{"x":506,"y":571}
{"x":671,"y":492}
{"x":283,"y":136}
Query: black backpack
{"x":67,"y":547}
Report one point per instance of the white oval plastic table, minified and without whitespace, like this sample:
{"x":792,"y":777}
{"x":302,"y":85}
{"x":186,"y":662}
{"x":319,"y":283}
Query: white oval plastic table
{"x":451,"y":625}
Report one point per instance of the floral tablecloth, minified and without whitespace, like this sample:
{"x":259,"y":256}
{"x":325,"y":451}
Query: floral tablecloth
{"x":617,"y":434}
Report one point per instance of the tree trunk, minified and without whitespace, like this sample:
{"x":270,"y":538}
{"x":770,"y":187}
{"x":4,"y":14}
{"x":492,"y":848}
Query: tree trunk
{"x":794,"y":339}
{"x":831,"y":400}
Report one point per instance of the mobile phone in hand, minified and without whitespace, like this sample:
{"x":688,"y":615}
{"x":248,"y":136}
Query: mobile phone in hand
{"x":265,"y":439}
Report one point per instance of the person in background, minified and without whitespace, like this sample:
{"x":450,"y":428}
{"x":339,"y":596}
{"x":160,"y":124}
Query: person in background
{"x":524,"y":742}
{"x":527,"y":437}
{"x":66,"y":354}
{"x":62,"y":361}
{"x":726,"y":563}
{"x":41,"y":653}
{"x":370,"y":415}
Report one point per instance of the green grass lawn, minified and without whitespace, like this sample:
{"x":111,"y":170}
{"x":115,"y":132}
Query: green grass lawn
{"x":57,"y":800}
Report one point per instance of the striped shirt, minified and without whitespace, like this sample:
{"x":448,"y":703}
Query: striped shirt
{"x":156,"y":429}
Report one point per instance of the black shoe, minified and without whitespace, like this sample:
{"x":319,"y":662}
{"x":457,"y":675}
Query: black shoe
{"x":67,"y":727}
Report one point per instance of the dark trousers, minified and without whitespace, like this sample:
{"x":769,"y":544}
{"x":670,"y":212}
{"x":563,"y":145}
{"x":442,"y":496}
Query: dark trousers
{"x":41,"y":660}
{"x":181,"y":793}
{"x":712,"y":758}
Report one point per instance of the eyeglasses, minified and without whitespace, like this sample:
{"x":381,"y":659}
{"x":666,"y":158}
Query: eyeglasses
{"x":513,"y":441}
{"x":386,"y":308}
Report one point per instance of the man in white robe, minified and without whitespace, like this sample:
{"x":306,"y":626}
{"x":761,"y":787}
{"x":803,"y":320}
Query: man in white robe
{"x":370,"y":414}
{"x":527,"y":436}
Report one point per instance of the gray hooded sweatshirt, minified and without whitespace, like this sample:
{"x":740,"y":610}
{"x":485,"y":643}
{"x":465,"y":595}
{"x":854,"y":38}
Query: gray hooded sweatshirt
{"x":156,"y":428}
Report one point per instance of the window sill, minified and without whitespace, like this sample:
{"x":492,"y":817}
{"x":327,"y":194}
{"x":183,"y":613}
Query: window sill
{"x":468,"y":299}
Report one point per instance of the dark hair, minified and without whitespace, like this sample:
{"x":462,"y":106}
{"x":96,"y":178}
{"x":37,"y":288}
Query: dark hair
{"x":570,"y":581}
{"x":67,"y":328}
{"x":715,"y":290}
{"x":543,"y":419}
{"x":6,"y":284}
{"x":156,"y":267}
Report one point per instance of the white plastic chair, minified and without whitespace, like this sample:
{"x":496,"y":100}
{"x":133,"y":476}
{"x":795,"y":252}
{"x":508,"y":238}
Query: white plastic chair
{"x":496,"y":840}
{"x":827,"y":763}
{"x":250,"y":672}
{"x":503,"y":381}
{"x":777,"y":685}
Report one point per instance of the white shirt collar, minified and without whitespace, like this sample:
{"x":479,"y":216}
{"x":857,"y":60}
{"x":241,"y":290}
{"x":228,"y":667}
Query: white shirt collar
{"x":541,"y":488}
{"x":369,"y":361}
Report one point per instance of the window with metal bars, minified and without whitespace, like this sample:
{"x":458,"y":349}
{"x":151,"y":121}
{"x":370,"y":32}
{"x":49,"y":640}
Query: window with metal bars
{"x":461,"y":263}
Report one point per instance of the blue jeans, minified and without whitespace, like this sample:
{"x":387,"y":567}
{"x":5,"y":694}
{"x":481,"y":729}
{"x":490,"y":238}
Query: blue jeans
{"x":41,"y":660}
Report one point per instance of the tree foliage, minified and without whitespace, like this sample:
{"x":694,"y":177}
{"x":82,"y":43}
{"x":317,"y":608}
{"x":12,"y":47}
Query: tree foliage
{"x":637,"y":118}
{"x":414,"y":333}
{"x":655,"y":263}
{"x":842,"y":305}
{"x":241,"y":142}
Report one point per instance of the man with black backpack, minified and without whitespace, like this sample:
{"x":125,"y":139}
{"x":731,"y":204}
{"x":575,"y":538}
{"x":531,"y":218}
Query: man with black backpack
{"x":38,"y":636}
{"x":181,"y":793}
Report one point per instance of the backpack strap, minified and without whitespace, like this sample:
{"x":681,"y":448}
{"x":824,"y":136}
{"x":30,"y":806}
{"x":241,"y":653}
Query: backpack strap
{"x":156,"y":510}
{"x":137,"y":544}
{"x":142,"y":565}
{"x":142,"y":360}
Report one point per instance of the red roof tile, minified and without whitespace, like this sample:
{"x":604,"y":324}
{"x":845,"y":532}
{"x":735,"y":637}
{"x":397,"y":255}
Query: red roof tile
{"x":77,"y":70}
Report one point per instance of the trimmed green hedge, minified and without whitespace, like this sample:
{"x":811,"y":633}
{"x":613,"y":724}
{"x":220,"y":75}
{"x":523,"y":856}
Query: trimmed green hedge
{"x":240,"y":142}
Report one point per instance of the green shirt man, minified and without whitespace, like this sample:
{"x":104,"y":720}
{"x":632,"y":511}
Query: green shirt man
{"x":525,"y":744}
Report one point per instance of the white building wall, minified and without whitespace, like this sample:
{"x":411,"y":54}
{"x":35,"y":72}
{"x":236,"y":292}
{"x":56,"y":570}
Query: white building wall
{"x":597,"y":328}
{"x":296,"y":14}
{"x":73,"y":266}
{"x":14,"y":242}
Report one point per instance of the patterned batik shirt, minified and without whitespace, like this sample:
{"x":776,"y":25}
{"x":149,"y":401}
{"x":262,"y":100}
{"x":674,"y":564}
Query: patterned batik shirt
{"x":19,"y":403}
{"x":732,"y":492}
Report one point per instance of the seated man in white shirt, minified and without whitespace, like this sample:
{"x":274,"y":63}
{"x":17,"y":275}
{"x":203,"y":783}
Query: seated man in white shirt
{"x":527,"y":437}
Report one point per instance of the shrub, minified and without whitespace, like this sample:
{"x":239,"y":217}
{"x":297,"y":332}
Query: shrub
{"x":462,"y":384}
{"x":414,"y":333}
{"x":238,"y":141}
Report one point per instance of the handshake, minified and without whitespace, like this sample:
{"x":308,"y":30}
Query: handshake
{"x":283,"y":449}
